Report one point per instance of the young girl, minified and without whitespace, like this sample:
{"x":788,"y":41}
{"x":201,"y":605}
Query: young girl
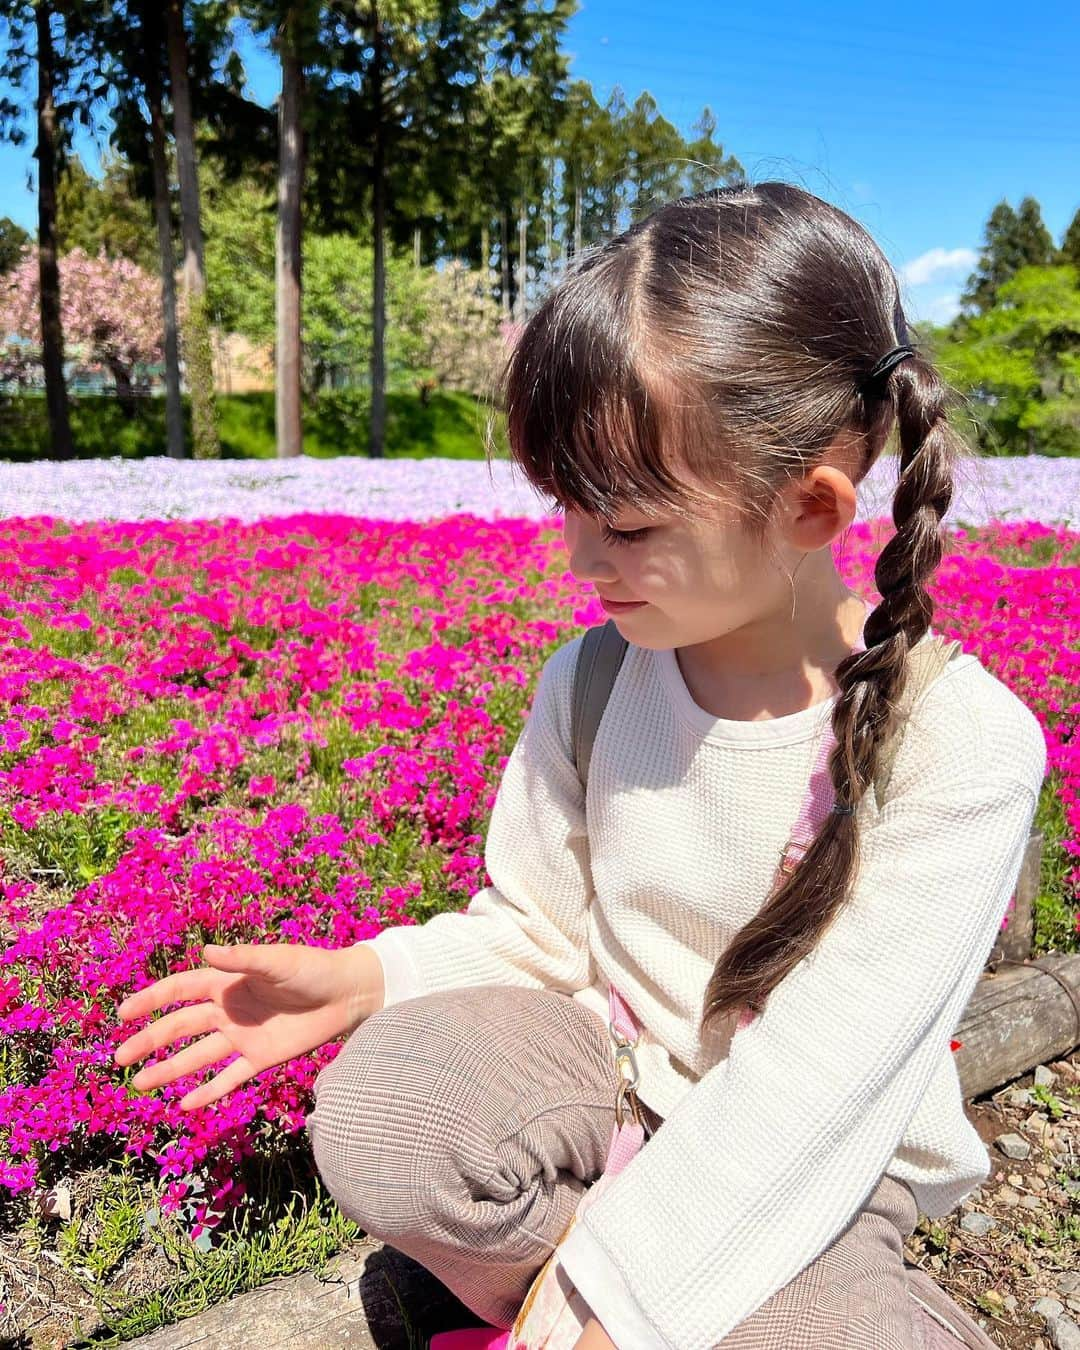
{"x":701,"y":396}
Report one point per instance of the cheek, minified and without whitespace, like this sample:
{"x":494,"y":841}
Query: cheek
{"x":655,"y":573}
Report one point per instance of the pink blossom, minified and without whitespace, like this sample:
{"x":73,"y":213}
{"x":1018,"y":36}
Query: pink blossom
{"x":262,"y":714}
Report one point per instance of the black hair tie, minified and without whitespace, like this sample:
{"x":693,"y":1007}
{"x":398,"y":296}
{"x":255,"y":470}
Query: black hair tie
{"x":889,"y":360}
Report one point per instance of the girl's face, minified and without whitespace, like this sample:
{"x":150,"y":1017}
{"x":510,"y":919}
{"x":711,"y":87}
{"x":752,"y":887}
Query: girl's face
{"x":697,"y":577}
{"x":706,"y":579}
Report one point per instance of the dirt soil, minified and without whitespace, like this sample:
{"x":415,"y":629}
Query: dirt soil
{"x":1009,"y":1256}
{"x":1015,"y":1242}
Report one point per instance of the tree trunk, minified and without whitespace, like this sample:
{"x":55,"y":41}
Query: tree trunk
{"x":549,"y":231}
{"x":523,"y":259}
{"x":196,"y":328}
{"x":290,"y":436}
{"x":416,"y":246}
{"x":52,"y":335}
{"x":485,"y":258}
{"x":124,"y":397}
{"x":174,"y":408}
{"x":577,"y":213}
{"x":504,"y":260}
{"x":378,"y":344}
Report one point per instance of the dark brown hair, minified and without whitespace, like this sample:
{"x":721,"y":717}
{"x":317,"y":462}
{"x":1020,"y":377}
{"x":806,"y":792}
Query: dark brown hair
{"x":732,"y":332}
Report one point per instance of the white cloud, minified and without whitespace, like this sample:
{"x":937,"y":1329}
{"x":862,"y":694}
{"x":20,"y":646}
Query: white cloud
{"x":938,"y":262}
{"x":936,"y":307}
{"x":944,"y":308}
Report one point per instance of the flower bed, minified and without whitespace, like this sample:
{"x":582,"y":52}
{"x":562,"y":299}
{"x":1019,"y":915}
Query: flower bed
{"x":293,"y":730}
{"x":1015,"y":488}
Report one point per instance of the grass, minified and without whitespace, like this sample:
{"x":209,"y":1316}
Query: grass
{"x":105,"y":1260}
{"x":297,"y":1232}
{"x":448,"y":424}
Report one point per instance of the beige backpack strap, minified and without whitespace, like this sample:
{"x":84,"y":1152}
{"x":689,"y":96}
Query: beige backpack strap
{"x":599,"y":658}
{"x":926,"y":661}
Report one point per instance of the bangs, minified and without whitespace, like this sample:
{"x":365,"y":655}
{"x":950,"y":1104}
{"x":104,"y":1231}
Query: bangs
{"x":585,"y":419}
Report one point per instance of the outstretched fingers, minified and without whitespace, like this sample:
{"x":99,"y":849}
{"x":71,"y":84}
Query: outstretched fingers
{"x":175,"y":1026}
{"x":209,"y":1050}
{"x":185,"y":986}
{"x":239,"y":1071}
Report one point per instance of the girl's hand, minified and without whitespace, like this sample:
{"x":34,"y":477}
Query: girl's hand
{"x":594,"y":1337}
{"x":268,"y":1002}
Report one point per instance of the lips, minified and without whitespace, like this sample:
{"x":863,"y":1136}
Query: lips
{"x":615,"y":606}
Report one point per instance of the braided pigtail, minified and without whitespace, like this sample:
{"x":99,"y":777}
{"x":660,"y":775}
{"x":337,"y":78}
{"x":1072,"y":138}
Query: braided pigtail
{"x":735,"y":339}
{"x":871,"y":684}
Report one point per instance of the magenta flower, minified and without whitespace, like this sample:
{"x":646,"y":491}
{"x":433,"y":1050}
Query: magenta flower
{"x":263,"y":717}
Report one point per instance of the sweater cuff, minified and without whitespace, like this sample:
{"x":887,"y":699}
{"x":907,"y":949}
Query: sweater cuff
{"x":603,"y":1286}
{"x":401,"y":976}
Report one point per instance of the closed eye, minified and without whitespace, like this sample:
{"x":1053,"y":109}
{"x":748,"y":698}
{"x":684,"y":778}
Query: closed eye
{"x":623,"y":536}
{"x":609,"y":535}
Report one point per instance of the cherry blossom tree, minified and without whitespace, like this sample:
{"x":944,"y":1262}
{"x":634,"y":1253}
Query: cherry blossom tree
{"x":110,"y":314}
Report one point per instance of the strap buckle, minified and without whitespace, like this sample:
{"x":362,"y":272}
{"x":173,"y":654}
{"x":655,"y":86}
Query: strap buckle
{"x":629,"y":1076}
{"x":626,"y":1091}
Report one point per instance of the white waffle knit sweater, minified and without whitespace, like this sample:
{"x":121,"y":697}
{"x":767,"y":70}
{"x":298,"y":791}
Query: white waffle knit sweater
{"x":772,"y":1142}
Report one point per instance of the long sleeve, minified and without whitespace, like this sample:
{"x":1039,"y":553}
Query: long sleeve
{"x":529,"y":926}
{"x":775,"y":1149}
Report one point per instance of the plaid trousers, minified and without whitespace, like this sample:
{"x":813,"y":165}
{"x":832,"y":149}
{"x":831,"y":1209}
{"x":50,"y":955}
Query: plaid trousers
{"x":463,"y":1127}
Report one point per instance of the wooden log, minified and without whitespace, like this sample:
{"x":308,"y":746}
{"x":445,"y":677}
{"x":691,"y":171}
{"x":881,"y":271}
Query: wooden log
{"x":1014,"y":942}
{"x":1018,"y":1017}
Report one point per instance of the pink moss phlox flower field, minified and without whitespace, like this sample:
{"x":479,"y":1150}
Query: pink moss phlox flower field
{"x":293,"y":730}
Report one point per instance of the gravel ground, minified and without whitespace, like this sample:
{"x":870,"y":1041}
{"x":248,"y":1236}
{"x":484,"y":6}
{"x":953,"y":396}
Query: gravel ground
{"x":1010,"y":1254}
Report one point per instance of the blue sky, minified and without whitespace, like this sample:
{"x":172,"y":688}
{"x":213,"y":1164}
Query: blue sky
{"x":915,"y":121}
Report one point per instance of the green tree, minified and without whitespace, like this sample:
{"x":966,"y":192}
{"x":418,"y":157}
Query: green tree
{"x":104,"y":213}
{"x":1020,"y":364}
{"x":13,"y":239}
{"x":194,"y":322}
{"x":239,"y":223}
{"x":655,"y":148}
{"x":708,"y":166}
{"x":130,"y":50}
{"x":293,"y":27}
{"x":51,"y":57}
{"x":592,"y":157}
{"x":1013,"y":239}
{"x":1070,"y":244}
{"x":408,"y":79}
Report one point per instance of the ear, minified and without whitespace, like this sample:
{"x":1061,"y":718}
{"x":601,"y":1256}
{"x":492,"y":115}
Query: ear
{"x":818,"y":507}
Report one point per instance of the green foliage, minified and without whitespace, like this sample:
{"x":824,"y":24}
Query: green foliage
{"x":70,"y":850}
{"x":1013,"y":239}
{"x":449,"y":425}
{"x":1054,"y":911}
{"x":1019,"y":364}
{"x":440,"y":326}
{"x":94,"y":214}
{"x":13,"y":239}
{"x":239,"y":221}
{"x":336,"y":327}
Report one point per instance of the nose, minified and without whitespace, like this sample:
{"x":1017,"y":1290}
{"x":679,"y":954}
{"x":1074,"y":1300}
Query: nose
{"x":584,"y":550}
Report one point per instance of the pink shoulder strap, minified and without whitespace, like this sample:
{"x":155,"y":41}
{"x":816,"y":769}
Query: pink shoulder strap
{"x":627,"y":1138}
